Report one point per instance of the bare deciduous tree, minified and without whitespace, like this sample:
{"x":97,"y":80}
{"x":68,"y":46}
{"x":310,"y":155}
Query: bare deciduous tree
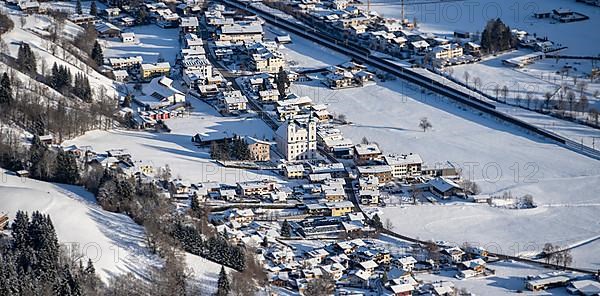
{"x":424,"y":124}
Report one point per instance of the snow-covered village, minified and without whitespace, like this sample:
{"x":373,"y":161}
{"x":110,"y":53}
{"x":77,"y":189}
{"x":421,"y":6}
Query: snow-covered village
{"x":299,"y":147}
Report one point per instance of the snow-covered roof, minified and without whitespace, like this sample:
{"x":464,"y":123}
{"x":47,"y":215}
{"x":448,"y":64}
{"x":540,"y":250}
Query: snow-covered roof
{"x":233,"y":97}
{"x":442,"y":184}
{"x":242,"y":28}
{"x":403,"y":159}
{"x":403,"y":288}
{"x":374,"y":169}
{"x":189,"y":21}
{"x":160,"y":87}
{"x":366,"y":149}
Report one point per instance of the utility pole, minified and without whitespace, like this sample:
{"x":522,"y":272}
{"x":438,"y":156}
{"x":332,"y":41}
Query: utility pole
{"x":402,"y":12}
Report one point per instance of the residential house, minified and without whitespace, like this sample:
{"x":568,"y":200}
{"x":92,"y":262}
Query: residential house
{"x":404,"y":165}
{"x":188,"y":24}
{"x":232,"y":101}
{"x":198,"y":64}
{"x":382,"y":172}
{"x":242,"y":216}
{"x":365,"y":153}
{"x":333,"y":192}
{"x":405,"y":263}
{"x":259,"y":150}
{"x":192,"y":41}
{"x":338,"y":209}
{"x":29,"y":7}
{"x":127,"y":37}
{"x":294,"y":171}
{"x":453,"y":254}
{"x":165,"y":18}
{"x":107,"y":30}
{"x":179,"y":189}
{"x":82,"y":19}
{"x":471,"y":268}
{"x":369,"y":196}
{"x":266,"y":61}
{"x":155,"y":70}
{"x":402,"y":290}
{"x":444,"y":188}
{"x":473,"y":49}
{"x":368,"y":266}
{"x":255,"y":188}
{"x":271,"y":95}
{"x":359,"y":278}
{"x":159,"y":93}
{"x":125,"y":63}
{"x":446,"y":52}
{"x":240,"y":32}
{"x":419,"y":47}
{"x":112,"y":12}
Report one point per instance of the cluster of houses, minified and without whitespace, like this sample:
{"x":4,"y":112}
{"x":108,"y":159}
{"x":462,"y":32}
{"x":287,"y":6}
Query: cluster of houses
{"x":238,"y":40}
{"x":563,"y":15}
{"x":396,"y":37}
{"x":347,"y":75}
{"x":358,"y":266}
{"x":576,"y":284}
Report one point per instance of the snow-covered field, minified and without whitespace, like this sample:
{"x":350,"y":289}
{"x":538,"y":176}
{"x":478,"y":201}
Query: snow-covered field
{"x":497,"y":156}
{"x":444,"y":17}
{"x":204,"y":273}
{"x":152,"y":42}
{"x":113,"y":241}
{"x":313,"y":55}
{"x":176,"y":148}
{"x":527,"y":80}
{"x":537,"y":78}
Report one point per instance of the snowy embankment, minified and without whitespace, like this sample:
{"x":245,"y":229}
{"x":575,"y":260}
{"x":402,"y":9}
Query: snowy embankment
{"x":113,"y":241}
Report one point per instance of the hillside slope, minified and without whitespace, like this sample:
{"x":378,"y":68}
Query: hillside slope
{"x":113,"y":241}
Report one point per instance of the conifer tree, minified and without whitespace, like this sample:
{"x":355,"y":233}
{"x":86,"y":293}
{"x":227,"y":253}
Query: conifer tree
{"x":26,"y":59}
{"x":6,"y":97}
{"x":19,"y":230}
{"x":89,"y":269}
{"x":93,"y":9}
{"x":66,"y":169}
{"x":78,"y":8}
{"x":286,"y":229}
{"x":282,"y":82}
{"x":223,"y":286}
{"x":97,"y":54}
